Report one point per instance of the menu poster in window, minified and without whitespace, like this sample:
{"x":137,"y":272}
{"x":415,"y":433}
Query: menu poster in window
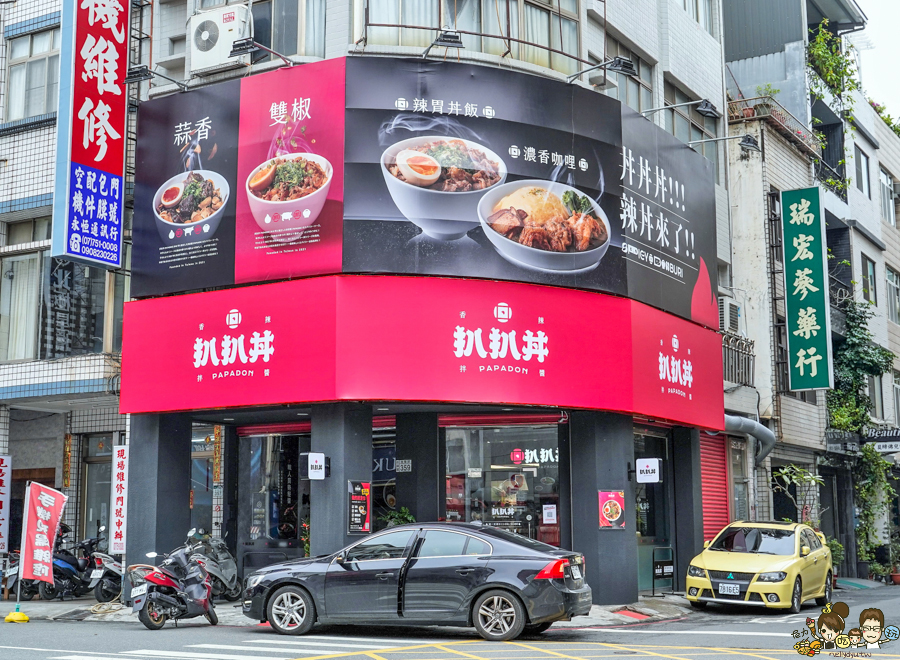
{"x":5,"y":486}
{"x":359,"y":520}
{"x":612,"y":509}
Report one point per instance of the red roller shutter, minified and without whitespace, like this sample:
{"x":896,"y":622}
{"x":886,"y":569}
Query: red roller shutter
{"x":714,"y":479}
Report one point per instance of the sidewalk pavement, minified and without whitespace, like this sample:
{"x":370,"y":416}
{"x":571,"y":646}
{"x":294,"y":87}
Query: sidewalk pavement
{"x":854,"y":583}
{"x":87,"y":609}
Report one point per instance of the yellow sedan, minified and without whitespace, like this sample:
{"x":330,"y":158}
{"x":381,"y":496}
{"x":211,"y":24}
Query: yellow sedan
{"x":767,"y":564}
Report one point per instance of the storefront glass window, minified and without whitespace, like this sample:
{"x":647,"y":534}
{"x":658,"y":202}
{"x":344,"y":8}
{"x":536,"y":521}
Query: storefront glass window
{"x":202,"y":477}
{"x":741,"y":510}
{"x":505,"y":477}
{"x":279,"y":499}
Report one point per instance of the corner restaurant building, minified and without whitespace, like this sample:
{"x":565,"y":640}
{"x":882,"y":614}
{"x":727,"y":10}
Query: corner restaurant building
{"x":390,"y":328}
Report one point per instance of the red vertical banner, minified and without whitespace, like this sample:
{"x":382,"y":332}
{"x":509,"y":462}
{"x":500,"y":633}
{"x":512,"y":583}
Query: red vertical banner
{"x":5,"y":486}
{"x":119,"y":500}
{"x":43,"y":511}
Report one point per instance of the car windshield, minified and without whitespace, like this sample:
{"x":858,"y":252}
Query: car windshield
{"x":755,"y":539}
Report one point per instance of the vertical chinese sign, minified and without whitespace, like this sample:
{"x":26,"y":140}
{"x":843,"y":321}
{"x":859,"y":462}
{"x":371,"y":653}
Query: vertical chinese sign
{"x":90,"y":133}
{"x":806,"y":290}
{"x":119,"y":499}
{"x":5,"y":486}
{"x":43,"y":511}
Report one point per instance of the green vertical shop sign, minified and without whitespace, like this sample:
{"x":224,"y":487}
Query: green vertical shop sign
{"x":806,"y":302}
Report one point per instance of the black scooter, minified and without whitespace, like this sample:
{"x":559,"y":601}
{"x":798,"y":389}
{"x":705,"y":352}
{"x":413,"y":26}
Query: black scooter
{"x":71,"y":571}
{"x":29,"y":587}
{"x":179,"y":588}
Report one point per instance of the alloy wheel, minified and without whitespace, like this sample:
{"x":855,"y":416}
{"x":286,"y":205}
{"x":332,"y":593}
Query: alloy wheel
{"x":796,"y":599}
{"x":289,"y":610}
{"x":497,"y":615}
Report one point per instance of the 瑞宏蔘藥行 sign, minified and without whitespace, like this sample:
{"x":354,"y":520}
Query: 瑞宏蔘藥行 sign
{"x":808,"y":324}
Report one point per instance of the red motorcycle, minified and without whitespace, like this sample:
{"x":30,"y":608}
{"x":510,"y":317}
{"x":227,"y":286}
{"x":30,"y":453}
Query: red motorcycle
{"x":179,"y":588}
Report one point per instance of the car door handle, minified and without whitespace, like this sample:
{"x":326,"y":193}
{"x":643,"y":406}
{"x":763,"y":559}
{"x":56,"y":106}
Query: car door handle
{"x":383,"y":576}
{"x":464,"y":571}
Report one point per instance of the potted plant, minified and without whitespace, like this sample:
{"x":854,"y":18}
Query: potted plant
{"x":837,"y":558}
{"x":401,"y":517}
{"x":895,"y":561}
{"x":767,"y":93}
{"x":749,"y":112}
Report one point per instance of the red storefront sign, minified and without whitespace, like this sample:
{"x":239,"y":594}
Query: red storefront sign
{"x":43,"y":511}
{"x":418,"y":339}
{"x":5,"y":487}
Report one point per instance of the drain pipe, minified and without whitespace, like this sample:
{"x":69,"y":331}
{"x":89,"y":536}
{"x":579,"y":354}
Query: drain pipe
{"x":765,"y":439}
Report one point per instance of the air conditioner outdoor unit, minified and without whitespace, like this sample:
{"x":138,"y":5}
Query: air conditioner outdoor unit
{"x":211,"y":35}
{"x":730,"y":316}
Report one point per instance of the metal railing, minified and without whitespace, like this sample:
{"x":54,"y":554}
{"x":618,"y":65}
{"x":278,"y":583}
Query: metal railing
{"x":839,"y":292}
{"x":505,"y":9}
{"x":738,"y":358}
{"x":767,"y":109}
{"x":831,"y":179}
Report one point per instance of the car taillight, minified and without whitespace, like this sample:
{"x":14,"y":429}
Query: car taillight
{"x":555,"y":570}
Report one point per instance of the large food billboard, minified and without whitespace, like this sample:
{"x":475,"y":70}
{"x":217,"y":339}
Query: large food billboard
{"x":380,"y":165}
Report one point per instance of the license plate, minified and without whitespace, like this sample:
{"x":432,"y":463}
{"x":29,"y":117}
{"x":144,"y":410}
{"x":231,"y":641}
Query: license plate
{"x":11,"y":571}
{"x":138,"y":591}
{"x":97,"y":573}
{"x":576,"y":573}
{"x":730,"y":589}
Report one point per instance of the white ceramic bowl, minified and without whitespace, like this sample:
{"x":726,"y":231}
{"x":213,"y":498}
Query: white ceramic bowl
{"x":442,"y":215}
{"x":293,"y":213}
{"x":174,"y":233}
{"x":519,"y":254}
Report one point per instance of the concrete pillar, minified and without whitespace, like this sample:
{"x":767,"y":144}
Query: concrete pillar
{"x":159,"y":484}
{"x":230,"y":503}
{"x":4,"y":429}
{"x":687,"y":536}
{"x":422,"y":490}
{"x":601,"y":447}
{"x":343,"y":432}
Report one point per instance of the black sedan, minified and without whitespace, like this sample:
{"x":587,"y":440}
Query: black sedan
{"x":452,"y":574}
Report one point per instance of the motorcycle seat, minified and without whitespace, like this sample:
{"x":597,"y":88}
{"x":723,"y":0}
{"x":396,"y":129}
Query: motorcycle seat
{"x":69,"y":559}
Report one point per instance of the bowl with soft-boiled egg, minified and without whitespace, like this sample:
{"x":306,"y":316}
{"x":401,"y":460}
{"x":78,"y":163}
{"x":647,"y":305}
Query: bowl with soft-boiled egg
{"x":441,"y":214}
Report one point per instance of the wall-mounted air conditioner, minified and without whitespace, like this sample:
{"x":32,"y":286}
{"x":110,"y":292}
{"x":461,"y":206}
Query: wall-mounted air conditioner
{"x":730,"y":316}
{"x":211,"y":35}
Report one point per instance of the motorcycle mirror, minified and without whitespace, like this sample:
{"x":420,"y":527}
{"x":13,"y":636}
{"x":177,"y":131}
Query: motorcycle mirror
{"x":152,"y":555}
{"x":192,"y":531}
{"x":102,"y":528}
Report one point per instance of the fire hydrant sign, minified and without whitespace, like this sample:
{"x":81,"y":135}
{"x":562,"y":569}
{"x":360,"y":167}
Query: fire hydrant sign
{"x":43,"y":511}
{"x":90,"y":133}
{"x":5,"y":486}
{"x":119,"y":499}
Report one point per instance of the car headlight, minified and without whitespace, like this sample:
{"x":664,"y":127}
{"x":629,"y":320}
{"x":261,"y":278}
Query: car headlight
{"x":777,"y":576}
{"x":695,"y":571}
{"x":254,"y":580}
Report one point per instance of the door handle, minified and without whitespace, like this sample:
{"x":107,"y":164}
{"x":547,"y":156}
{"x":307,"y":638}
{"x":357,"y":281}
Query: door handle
{"x":464,"y":571}
{"x":816,"y":560}
{"x":383,"y":576}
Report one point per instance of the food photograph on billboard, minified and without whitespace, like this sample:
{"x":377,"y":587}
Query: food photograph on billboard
{"x":240,"y":181}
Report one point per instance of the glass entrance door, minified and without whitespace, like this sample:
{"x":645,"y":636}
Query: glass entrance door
{"x":505,"y":477}
{"x":652,"y":508}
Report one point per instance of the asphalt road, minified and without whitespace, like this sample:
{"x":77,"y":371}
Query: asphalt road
{"x":707,"y":635}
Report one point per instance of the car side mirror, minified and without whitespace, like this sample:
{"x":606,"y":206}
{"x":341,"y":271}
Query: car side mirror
{"x":706,"y":544}
{"x":804,"y":551}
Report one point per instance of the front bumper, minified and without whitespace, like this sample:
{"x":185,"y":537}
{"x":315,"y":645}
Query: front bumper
{"x":253,"y":603}
{"x":753,"y":593}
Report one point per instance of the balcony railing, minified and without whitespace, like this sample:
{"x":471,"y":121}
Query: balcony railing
{"x":767,"y":109}
{"x":738,"y":359}
{"x":831,"y":179}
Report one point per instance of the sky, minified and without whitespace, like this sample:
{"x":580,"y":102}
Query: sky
{"x":880,"y":51}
